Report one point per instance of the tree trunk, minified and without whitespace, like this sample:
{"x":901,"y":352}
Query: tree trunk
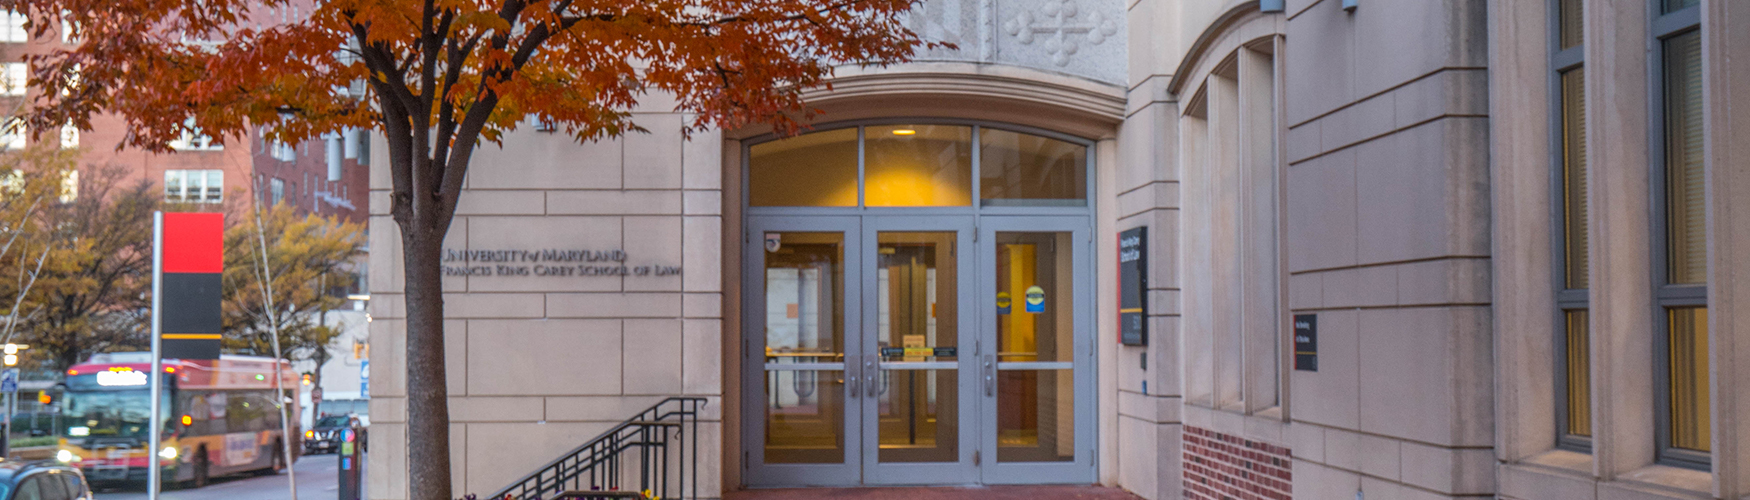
{"x":428,"y":415}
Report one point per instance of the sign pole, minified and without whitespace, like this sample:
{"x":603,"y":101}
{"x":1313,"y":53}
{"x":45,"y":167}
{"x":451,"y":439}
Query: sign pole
{"x":157,"y":380}
{"x":7,"y":446}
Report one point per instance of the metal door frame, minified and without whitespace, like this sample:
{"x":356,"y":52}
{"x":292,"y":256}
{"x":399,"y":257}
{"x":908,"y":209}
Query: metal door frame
{"x":1085,"y":387}
{"x":962,"y":470}
{"x":758,"y":473}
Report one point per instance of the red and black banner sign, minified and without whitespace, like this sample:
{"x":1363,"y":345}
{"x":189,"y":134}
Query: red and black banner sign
{"x":191,"y":266}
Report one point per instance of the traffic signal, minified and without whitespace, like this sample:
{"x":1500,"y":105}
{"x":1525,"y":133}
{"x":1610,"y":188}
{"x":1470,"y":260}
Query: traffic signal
{"x":44,"y":398}
{"x":306,"y":379}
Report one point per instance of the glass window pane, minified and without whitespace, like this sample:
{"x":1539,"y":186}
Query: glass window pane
{"x":1684,"y":185}
{"x":1677,"y":5}
{"x":215,"y":186}
{"x":1579,"y":374}
{"x":1016,"y":166}
{"x":918,"y":166}
{"x":917,"y":407}
{"x":1571,"y":27}
{"x":1689,"y":383}
{"x":812,"y":170}
{"x":173,"y":185}
{"x":805,"y":408}
{"x":1574,"y":209}
{"x":1035,"y":332}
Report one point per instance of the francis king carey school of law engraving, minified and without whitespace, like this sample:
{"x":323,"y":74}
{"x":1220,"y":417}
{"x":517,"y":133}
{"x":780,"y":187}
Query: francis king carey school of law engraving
{"x":548,"y":262}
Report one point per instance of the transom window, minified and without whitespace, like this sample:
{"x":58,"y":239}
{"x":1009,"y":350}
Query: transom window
{"x":194,"y":186}
{"x":918,"y":165}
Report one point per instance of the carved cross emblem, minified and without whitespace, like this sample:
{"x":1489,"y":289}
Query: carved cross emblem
{"x":1062,"y":33}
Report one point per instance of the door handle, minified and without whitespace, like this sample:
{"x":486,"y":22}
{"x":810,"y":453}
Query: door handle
{"x":870,"y":373}
{"x":990,"y":375}
{"x":851,"y":384}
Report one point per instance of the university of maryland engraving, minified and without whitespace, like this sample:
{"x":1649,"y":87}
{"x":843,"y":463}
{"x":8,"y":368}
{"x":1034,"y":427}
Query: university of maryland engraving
{"x":548,"y":263}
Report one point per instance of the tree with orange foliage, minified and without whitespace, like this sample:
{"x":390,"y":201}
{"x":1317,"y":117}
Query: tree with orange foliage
{"x":436,"y":78}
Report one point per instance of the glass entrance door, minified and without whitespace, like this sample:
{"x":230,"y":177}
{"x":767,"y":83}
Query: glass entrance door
{"x":801,"y":375}
{"x":854,"y":366}
{"x":1036,"y":353}
{"x":916,"y":425}
{"x":903,"y":350}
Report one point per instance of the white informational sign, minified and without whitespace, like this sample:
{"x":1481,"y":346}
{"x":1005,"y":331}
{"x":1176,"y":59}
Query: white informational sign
{"x":120,"y":378}
{"x":9,"y":381}
{"x":240,"y":448}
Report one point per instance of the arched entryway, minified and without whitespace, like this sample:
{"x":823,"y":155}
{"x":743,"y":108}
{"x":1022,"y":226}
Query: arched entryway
{"x":917,"y":305}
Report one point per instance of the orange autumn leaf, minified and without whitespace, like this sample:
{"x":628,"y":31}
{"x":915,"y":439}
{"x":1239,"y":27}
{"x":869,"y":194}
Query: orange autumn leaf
{"x":301,"y":69}
{"x":435,"y":78}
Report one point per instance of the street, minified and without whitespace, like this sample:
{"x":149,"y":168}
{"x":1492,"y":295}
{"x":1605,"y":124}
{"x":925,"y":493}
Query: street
{"x":316,"y":481}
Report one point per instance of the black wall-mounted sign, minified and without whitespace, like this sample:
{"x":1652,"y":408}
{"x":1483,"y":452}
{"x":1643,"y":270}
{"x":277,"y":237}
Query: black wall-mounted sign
{"x":1306,"y":342}
{"x":1133,"y":287}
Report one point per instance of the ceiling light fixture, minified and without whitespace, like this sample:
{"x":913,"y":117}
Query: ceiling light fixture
{"x":904,"y":131}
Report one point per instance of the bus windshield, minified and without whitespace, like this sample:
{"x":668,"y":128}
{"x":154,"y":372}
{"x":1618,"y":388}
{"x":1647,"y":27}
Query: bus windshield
{"x":108,"y":414}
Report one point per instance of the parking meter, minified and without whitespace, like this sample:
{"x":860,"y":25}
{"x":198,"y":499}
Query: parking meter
{"x":351,"y":467}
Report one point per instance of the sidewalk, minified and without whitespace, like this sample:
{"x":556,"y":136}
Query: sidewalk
{"x":940,"y":493}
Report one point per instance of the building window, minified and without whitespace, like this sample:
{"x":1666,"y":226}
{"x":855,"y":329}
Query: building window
{"x":1229,"y":139}
{"x":194,"y":139}
{"x":15,"y":78}
{"x":13,"y":24}
{"x":69,"y":136}
{"x":1572,"y":213}
{"x":276,"y":191}
{"x":12,"y":135}
{"x":916,"y":165}
{"x":282,"y":151}
{"x":194,"y":186}
{"x":70,"y":186}
{"x":1680,"y":269}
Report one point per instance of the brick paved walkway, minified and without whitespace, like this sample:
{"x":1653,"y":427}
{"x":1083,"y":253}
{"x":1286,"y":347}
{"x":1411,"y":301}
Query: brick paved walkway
{"x":941,"y":493}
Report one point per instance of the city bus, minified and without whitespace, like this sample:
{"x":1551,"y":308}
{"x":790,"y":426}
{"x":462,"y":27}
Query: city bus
{"x":219,"y":418}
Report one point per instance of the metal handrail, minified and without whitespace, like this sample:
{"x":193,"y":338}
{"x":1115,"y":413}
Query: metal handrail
{"x":596,"y":470}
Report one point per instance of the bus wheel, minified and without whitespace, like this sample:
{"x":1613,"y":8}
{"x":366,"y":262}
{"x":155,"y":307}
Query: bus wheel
{"x":200,"y":469}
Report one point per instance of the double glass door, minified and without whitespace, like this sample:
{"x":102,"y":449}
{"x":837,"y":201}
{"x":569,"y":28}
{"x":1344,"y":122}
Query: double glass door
{"x":917,"y":350}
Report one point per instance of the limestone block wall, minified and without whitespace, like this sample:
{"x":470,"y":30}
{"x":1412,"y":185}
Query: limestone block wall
{"x":1388,"y":244}
{"x":548,"y":348}
{"x":1147,"y":186}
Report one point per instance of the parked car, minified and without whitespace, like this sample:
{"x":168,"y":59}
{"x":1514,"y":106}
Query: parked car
{"x":326,"y":435}
{"x":45,"y":480}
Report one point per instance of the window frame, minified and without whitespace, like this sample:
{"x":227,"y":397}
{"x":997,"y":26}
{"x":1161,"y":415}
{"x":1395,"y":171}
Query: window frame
{"x":1663,"y":26}
{"x":976,"y":207}
{"x":17,"y":79}
{"x":15,"y":31}
{"x":193,"y":138}
{"x":1562,"y":61}
{"x":276,"y":191}
{"x":187,"y":192}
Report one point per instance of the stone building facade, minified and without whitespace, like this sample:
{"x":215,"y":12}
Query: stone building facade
{"x":1364,"y":227}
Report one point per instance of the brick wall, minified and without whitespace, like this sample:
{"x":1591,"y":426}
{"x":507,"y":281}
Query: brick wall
{"x":1226,"y":467}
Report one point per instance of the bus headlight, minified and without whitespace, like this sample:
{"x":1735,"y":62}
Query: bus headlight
{"x":169,"y":453}
{"x":66,"y":456}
